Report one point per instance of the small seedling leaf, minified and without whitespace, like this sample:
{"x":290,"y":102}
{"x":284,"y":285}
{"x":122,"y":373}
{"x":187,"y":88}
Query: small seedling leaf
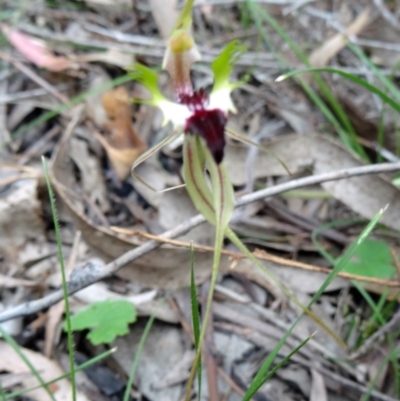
{"x":106,"y":320}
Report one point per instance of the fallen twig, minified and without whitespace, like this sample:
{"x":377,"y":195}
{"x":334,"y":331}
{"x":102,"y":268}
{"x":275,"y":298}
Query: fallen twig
{"x":91,"y":273}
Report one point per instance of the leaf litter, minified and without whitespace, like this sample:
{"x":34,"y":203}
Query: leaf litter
{"x":92,"y":150}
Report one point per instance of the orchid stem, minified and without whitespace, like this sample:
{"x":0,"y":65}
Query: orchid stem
{"x":214,"y":276}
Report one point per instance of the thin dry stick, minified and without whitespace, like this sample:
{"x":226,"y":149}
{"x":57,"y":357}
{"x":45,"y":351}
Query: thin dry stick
{"x":34,"y":77}
{"x":92,"y":273}
{"x":262,"y":255}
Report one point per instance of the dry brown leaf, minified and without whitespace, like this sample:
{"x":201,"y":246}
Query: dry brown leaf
{"x":91,"y":174}
{"x":321,"y":56}
{"x":11,"y":362}
{"x":123,"y":145}
{"x":365,"y":195}
{"x":22,"y":236}
{"x":36,"y":51}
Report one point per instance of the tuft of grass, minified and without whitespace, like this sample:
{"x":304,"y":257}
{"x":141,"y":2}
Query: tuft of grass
{"x":63,"y":276}
{"x":262,"y":376}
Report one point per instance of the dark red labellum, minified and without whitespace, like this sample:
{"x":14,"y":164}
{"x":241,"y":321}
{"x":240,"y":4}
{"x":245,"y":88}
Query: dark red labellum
{"x":208,"y":124}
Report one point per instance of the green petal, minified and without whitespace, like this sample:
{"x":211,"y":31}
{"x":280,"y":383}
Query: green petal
{"x":149,"y":79}
{"x":222,"y":66}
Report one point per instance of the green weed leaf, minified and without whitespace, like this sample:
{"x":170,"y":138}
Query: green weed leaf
{"x":106,"y":320}
{"x":371,"y":259}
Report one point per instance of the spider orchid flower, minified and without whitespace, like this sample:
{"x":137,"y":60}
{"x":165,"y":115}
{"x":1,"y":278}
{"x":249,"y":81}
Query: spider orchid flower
{"x":202,"y":117}
{"x":193,"y":112}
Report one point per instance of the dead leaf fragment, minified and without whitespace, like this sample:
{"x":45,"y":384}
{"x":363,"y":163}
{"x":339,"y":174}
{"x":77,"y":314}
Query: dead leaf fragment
{"x":36,"y":51}
{"x":22,"y":236}
{"x":11,"y":362}
{"x":321,"y":56}
{"x":318,"y":389}
{"x":123,"y":145}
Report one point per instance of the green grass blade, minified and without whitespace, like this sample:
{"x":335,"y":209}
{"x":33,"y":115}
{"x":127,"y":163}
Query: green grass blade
{"x":386,"y":81}
{"x":137,"y":357}
{"x":83,"y":366}
{"x":353,"y":78}
{"x":64,"y":107}
{"x":28,"y":363}
{"x":64,"y":278}
{"x":195,"y":316}
{"x":260,"y":379}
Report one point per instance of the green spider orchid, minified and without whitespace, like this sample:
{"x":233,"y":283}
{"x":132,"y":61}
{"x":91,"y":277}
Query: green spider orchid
{"x":194,"y":112}
{"x":202,"y":117}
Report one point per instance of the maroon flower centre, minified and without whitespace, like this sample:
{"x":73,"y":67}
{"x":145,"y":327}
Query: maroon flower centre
{"x":208,"y":124}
